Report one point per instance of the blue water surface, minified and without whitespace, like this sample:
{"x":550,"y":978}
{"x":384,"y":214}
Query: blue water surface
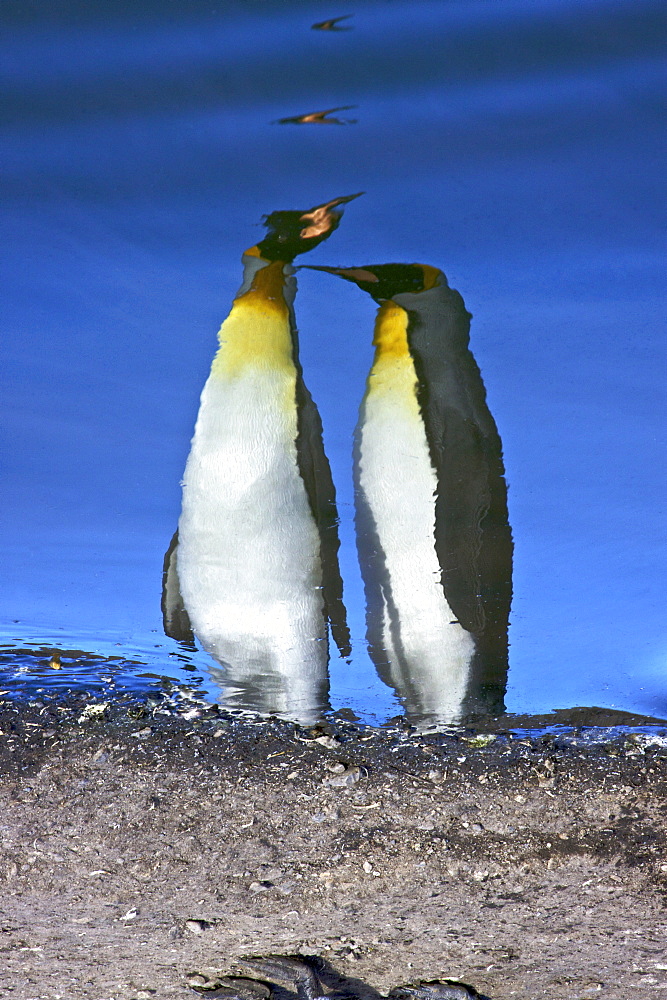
{"x":517,"y":145}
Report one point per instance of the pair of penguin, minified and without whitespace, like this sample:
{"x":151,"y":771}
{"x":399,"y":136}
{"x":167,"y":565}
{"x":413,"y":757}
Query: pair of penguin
{"x":253,"y":569}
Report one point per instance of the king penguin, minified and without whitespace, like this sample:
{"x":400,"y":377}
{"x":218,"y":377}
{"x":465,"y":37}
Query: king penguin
{"x":253,"y":569}
{"x":433,"y":534}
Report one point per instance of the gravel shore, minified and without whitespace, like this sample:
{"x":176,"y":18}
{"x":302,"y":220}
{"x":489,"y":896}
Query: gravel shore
{"x":142,"y":854}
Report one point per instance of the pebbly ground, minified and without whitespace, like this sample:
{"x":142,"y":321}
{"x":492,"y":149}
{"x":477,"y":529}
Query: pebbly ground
{"x":141,"y":854}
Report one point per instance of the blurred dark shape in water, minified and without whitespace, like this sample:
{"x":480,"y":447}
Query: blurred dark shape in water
{"x":253,"y":570}
{"x":333,"y":24}
{"x":433,"y":534}
{"x":319,"y":117}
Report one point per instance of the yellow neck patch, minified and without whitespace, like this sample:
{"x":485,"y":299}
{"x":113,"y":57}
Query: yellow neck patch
{"x":391,"y":332}
{"x":266,"y":291}
{"x":393,"y":380}
{"x":257,"y":331}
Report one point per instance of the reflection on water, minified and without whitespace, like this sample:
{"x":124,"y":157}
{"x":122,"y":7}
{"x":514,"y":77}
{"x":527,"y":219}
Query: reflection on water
{"x":253,"y":571}
{"x":320,"y":117}
{"x":433,"y":536}
{"x":30,"y":672}
{"x":333,"y":24}
{"x":138,"y":147}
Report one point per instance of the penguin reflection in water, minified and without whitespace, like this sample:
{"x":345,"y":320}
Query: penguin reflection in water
{"x":433,"y":535}
{"x":253,"y":568}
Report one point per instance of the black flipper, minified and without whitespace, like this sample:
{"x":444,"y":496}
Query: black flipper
{"x":316,"y":474}
{"x":473,"y":535}
{"x":175,"y":619}
{"x":315,"y":471}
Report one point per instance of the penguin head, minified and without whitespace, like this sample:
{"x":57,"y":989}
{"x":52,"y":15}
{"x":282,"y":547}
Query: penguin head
{"x":291,"y":233}
{"x":385,"y":281}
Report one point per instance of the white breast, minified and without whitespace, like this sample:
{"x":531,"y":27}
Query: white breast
{"x":427,"y":654}
{"x":248,"y":558}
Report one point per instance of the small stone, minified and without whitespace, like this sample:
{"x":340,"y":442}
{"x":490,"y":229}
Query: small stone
{"x":197,"y":980}
{"x":349,"y":777}
{"x":260,"y":886}
{"x":368,"y":867}
{"x":197,"y":926}
{"x":480,"y":739}
{"x":327,"y":741}
{"x":191,"y":713}
{"x":91,"y":712}
{"x":347,"y":714}
{"x":137,"y":711}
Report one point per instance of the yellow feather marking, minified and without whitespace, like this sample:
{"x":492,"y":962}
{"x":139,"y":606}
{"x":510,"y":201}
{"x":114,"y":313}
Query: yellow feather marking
{"x":431,"y":276}
{"x":393,"y":370}
{"x":257,"y":331}
{"x":391,"y":332}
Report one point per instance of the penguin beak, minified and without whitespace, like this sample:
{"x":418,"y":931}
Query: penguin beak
{"x":292,"y":232}
{"x":355,"y":274}
{"x":323,"y":219}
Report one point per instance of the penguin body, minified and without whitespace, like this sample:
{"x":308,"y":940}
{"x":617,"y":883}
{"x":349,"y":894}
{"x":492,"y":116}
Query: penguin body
{"x":249,"y":549}
{"x":433,"y":534}
{"x":410,"y":622}
{"x":473,"y":537}
{"x":254,"y":570}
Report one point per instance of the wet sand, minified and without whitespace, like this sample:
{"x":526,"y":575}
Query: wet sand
{"x":139,"y":851}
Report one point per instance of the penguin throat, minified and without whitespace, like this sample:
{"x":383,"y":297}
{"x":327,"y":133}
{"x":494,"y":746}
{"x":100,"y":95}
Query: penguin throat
{"x":267,"y":290}
{"x":257,"y":332}
{"x":391,"y":332}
